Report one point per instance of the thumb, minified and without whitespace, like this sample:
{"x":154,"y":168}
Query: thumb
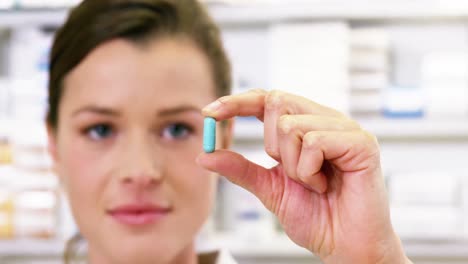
{"x":240,"y":171}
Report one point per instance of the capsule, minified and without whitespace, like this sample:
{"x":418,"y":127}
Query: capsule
{"x":209,"y":135}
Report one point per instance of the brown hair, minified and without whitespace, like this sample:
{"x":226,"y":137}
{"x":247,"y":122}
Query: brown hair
{"x":95,"y":22}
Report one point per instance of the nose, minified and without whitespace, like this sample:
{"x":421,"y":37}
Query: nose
{"x":142,"y":164}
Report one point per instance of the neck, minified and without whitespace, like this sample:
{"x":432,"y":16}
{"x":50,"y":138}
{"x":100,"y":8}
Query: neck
{"x":186,"y":256}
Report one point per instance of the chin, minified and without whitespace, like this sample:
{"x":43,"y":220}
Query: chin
{"x":146,"y":250}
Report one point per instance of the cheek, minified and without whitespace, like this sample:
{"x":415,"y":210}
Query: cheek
{"x":193,"y":186}
{"x":77,"y":166}
{"x":79,"y":173}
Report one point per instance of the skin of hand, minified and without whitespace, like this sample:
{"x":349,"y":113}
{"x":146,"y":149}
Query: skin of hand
{"x":327,"y":190}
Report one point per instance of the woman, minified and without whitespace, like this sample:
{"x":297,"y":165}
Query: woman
{"x":128,"y":82}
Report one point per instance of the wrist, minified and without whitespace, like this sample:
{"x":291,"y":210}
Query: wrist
{"x":394,"y":253}
{"x":389,"y":252}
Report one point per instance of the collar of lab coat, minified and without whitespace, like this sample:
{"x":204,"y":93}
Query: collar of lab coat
{"x":216,"y":257}
{"x":225,"y":257}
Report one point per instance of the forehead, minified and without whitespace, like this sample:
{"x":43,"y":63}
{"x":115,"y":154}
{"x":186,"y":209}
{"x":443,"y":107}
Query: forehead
{"x":160,"y":72}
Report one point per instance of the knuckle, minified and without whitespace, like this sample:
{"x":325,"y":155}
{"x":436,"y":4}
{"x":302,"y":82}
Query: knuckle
{"x":274,"y":99}
{"x":343,"y":116}
{"x":302,"y":174}
{"x":370,"y":137}
{"x":286,"y":124}
{"x":224,"y":100}
{"x":258,"y":91}
{"x":312,"y":140}
{"x":356,"y":125}
{"x":371,"y":143}
{"x":271,"y":151}
{"x":352,"y":125}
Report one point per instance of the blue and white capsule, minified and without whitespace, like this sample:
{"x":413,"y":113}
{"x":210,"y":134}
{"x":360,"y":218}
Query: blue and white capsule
{"x":209,"y":135}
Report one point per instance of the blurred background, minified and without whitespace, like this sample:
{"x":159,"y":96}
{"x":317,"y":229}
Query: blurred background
{"x":399,"y":67}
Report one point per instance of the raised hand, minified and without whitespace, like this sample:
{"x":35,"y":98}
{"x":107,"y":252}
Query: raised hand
{"x":327,"y":190}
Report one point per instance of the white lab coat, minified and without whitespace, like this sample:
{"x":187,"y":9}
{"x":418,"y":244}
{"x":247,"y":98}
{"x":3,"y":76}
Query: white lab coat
{"x":225,"y":257}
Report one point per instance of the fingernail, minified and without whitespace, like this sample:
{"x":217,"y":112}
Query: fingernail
{"x":213,"y":106}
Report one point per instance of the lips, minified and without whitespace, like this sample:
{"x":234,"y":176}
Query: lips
{"x":138,"y":214}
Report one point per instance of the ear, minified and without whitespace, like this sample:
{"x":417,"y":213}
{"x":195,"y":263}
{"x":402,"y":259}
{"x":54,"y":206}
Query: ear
{"x":53,"y":151}
{"x":52,"y":143}
{"x":228,"y":134}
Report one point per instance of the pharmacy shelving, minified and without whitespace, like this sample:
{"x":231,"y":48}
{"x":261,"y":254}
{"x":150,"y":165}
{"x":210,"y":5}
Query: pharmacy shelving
{"x":31,"y":248}
{"x":383,"y":129}
{"x":340,"y":10}
{"x":20,"y":18}
{"x":417,"y":128}
{"x":279,"y":247}
{"x":261,"y":12}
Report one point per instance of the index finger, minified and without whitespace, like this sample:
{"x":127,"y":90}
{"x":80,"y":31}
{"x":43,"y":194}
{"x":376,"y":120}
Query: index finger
{"x":255,"y":102}
{"x":249,"y":103}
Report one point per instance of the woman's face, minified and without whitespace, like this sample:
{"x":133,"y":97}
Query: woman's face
{"x":129,"y":132}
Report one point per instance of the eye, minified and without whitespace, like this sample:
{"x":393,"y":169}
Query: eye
{"x":177,"y":131}
{"x":99,"y":132}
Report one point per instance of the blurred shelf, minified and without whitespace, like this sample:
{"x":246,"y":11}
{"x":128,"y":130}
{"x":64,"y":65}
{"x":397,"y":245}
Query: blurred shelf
{"x":46,"y":17}
{"x":19,"y":131}
{"x":282,"y":247}
{"x":456,"y":129}
{"x":277,"y":247}
{"x":259,"y":12}
{"x":338,"y":9}
{"x":456,"y":250}
{"x":31,"y":248}
{"x":384,"y":129}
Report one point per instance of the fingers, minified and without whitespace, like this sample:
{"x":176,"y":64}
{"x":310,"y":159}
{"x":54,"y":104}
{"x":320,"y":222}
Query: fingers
{"x":348,"y":151}
{"x":279,"y":103}
{"x":291,"y":130}
{"x":245,"y":104}
{"x":300,"y":134}
{"x":238,"y":170}
{"x":267,"y":107}
{"x":256,"y":102}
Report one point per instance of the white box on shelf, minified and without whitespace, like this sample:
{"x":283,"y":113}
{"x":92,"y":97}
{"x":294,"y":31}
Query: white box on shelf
{"x":403,"y":102}
{"x":370,"y":39}
{"x":369,"y":81}
{"x":311,"y":60}
{"x":447,"y":103}
{"x":29,"y":98}
{"x":369,"y":60}
{"x":29,"y":143}
{"x":427,"y":222}
{"x":248,"y":53}
{"x":29,"y":52}
{"x":411,"y":42}
{"x":367,"y":102}
{"x":426,"y":188}
{"x":7,"y":4}
{"x":445,"y":81}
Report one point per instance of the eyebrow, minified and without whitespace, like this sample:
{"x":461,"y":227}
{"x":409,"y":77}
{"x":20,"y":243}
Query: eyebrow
{"x":97,"y":110}
{"x":111,"y":112}
{"x":179,"y":110}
